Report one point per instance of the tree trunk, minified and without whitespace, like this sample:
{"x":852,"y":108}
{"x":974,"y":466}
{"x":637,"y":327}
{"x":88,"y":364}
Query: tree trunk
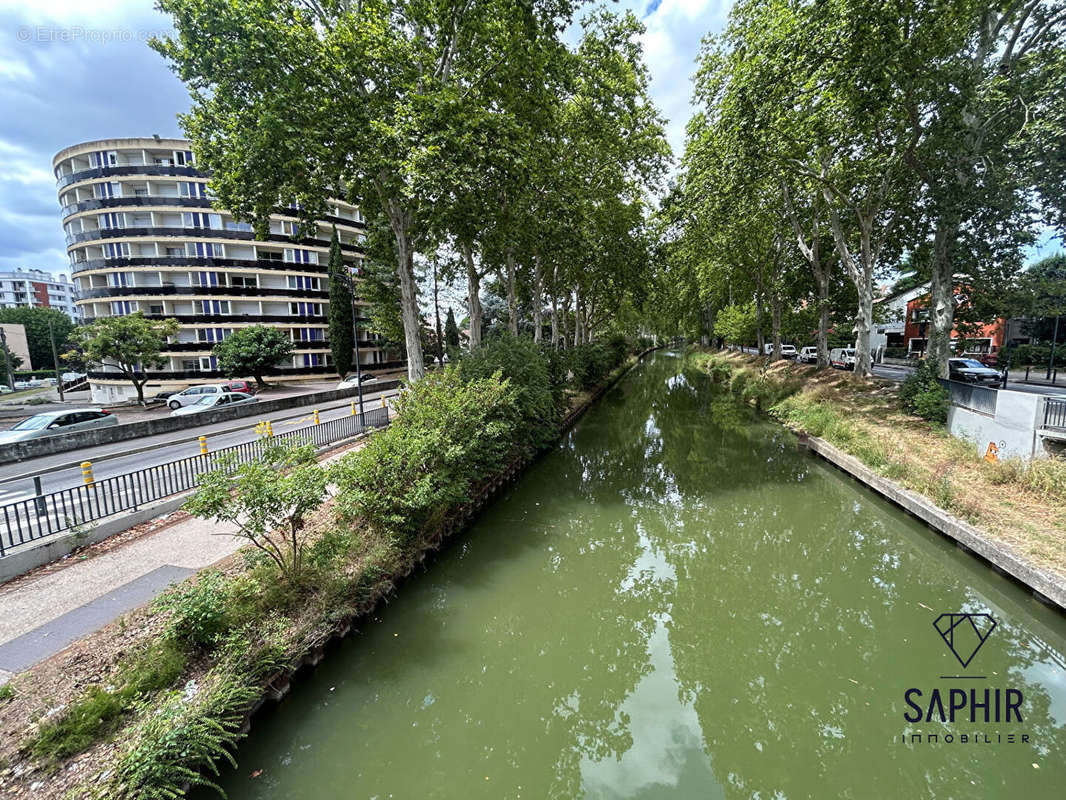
{"x":412,"y":321}
{"x":775,"y":323}
{"x":823,"y":318}
{"x":473,"y":296}
{"x":860,"y":269}
{"x":436,"y":311}
{"x":555,"y":322}
{"x":512,"y":296}
{"x":577,"y":316}
{"x":538,"y":301}
{"x":942,"y":296}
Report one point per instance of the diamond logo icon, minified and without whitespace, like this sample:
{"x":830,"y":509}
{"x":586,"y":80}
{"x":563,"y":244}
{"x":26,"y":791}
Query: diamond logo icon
{"x":964,"y":633}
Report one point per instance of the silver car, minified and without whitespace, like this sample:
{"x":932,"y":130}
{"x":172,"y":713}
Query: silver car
{"x":213,"y":402}
{"x":192,"y":395}
{"x":52,"y":423}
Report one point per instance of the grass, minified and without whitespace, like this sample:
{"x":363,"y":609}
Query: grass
{"x":6,"y":692}
{"x":1023,"y":505}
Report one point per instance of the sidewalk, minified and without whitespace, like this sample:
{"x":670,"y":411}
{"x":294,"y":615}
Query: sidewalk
{"x":49,"y":609}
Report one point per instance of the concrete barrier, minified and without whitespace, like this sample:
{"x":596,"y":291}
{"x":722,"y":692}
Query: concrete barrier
{"x":50,"y":445}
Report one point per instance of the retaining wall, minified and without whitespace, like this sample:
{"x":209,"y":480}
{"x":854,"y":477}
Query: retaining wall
{"x":62,"y":443}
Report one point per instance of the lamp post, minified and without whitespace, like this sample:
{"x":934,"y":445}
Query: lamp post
{"x":1054,"y":339}
{"x":55,"y":359}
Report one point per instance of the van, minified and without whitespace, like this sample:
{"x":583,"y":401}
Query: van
{"x":842,"y":358}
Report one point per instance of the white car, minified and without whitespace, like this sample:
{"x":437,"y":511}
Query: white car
{"x":787,"y":350}
{"x":212,"y":402}
{"x":52,"y":423}
{"x":194,"y":394}
{"x":842,"y":358}
{"x":351,"y":381}
{"x":808,"y":355}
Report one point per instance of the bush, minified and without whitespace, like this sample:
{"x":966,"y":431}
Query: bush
{"x":449,"y":435}
{"x":1035,"y":355}
{"x":922,"y":394}
{"x":526,"y":368}
{"x":198,"y":611}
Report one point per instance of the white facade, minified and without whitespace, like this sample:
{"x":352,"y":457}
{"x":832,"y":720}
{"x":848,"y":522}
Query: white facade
{"x":35,"y":288}
{"x":892,"y":311}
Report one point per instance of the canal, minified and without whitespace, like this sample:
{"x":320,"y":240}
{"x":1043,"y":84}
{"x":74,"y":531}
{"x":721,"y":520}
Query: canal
{"x":676,"y":603}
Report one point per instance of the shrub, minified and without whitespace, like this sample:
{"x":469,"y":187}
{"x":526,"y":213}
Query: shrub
{"x":448,"y":436}
{"x":268,"y":499}
{"x":922,"y":394}
{"x":198,"y":611}
{"x":526,"y":368}
{"x":95,"y":715}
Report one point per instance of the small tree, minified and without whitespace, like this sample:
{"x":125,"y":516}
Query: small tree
{"x":341,"y":328}
{"x":451,"y":331}
{"x":38,"y":340}
{"x":268,"y":500}
{"x":252,"y":351}
{"x":129,"y":344}
{"x":8,"y":358}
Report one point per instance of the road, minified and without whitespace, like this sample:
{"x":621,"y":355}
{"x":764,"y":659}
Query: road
{"x":893,"y":372}
{"x":62,"y":471}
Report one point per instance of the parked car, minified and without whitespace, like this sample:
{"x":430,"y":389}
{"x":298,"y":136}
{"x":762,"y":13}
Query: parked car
{"x":21,"y":385}
{"x":787,"y":350}
{"x":69,"y":376}
{"x":970,"y":370}
{"x":808,"y":355}
{"x":351,"y":381}
{"x":51,"y":423}
{"x":186,"y":397}
{"x":211,"y":402}
{"x":244,"y":387}
{"x":842,"y":358}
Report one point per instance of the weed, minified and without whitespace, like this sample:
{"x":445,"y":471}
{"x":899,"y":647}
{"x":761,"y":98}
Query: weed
{"x":94,"y":716}
{"x":7,"y":692}
{"x":156,"y":667}
{"x":198,"y":611}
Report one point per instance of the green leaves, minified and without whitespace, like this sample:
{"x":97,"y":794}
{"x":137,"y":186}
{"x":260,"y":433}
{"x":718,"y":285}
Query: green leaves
{"x":130,"y":344}
{"x":253,"y":351}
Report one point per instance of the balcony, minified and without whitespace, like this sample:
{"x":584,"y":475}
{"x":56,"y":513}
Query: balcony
{"x":199,"y":233}
{"x":195,"y":262}
{"x":157,"y":170}
{"x":114,"y":292}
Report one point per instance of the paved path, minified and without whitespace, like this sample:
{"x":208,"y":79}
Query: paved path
{"x":45,"y":613}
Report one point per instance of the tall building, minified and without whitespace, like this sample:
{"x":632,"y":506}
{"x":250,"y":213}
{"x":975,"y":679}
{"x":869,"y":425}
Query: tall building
{"x":35,"y":288}
{"x":144,"y":235}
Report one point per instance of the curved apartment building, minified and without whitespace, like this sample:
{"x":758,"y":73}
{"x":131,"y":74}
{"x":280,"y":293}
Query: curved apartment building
{"x":143,"y":235}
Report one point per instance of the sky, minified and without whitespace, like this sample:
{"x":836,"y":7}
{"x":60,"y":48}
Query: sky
{"x":76,"y":70}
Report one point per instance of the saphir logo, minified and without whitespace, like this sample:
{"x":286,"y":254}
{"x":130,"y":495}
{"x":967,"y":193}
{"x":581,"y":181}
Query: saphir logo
{"x":944,"y":707}
{"x":964,"y":633}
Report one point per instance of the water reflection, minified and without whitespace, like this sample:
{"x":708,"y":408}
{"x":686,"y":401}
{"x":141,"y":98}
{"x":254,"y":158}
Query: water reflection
{"x":675,"y":603}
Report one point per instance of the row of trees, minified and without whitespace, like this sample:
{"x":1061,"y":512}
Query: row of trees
{"x":468,"y":132}
{"x":839,"y":140}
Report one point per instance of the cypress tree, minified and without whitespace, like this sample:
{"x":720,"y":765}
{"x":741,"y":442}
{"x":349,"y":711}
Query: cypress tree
{"x":451,"y":331}
{"x":341,"y":332}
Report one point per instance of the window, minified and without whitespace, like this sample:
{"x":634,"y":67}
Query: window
{"x":112,"y":220}
{"x":208,"y":363}
{"x":103,"y":158}
{"x":312,"y":359}
{"x":105,"y":190}
{"x":234,"y":225}
{"x":213,"y":334}
{"x":156,"y":310}
{"x":303,"y":282}
{"x":300,"y":256}
{"x":183,"y":158}
{"x":305,"y":309}
{"x":268,"y":255}
{"x":205,"y":278}
{"x":244,"y":281}
{"x":204,"y":249}
{"x":192,"y":189}
{"x":116,"y":250}
{"x":175,"y":252}
{"x":119,"y":278}
{"x":120,"y":308}
{"x":190,"y":365}
{"x":140,"y":192}
{"x":213,"y":307}
{"x":197,"y":219}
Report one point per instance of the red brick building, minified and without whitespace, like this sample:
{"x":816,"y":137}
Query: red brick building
{"x":982,"y":340}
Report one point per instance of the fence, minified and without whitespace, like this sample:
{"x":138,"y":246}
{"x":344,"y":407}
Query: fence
{"x":50,"y":514}
{"x":1055,"y":414}
{"x":968,"y":395}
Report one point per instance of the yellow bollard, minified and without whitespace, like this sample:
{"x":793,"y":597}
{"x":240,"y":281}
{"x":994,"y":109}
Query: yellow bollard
{"x":383,"y":402}
{"x":203,"y":445}
{"x":87,"y":472}
{"x":270,"y":429}
{"x":353,"y":408}
{"x":316,"y":416}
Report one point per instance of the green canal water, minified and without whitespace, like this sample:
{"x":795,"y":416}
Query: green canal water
{"x":674,"y":603}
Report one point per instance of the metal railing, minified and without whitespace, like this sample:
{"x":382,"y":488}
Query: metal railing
{"x":968,"y":395}
{"x":58,"y":512}
{"x":1055,"y":414}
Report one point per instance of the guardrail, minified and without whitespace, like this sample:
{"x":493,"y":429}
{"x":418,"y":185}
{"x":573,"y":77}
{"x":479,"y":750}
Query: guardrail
{"x":967,"y":395}
{"x":1055,"y":414}
{"x":67,"y":509}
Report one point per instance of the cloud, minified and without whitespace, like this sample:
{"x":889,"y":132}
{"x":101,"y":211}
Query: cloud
{"x":71,"y":72}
